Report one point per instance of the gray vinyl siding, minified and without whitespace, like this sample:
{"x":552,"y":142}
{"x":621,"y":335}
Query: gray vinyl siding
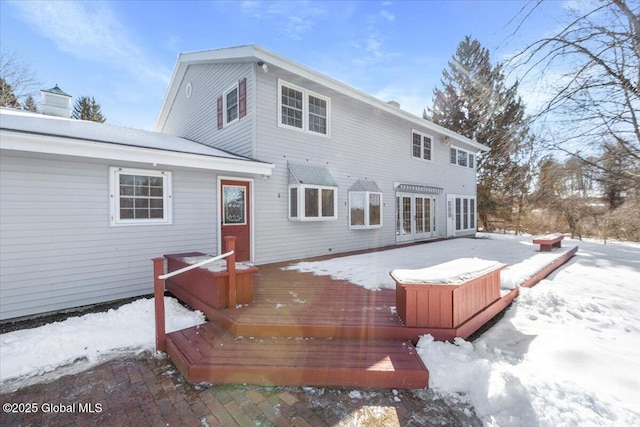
{"x":58,"y":250}
{"x":195,"y":118}
{"x":365,"y":143}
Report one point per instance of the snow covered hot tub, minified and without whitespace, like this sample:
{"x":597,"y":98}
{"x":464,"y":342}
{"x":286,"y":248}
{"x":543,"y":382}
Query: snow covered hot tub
{"x":448,"y":294}
{"x":209,"y":284}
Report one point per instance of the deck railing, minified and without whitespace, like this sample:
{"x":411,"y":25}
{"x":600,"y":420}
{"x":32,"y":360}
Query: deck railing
{"x":159,"y":285}
{"x":192,"y":266}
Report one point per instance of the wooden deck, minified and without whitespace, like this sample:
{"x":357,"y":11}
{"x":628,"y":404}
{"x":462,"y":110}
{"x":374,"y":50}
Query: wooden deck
{"x":208,"y":353}
{"x":303,"y":329}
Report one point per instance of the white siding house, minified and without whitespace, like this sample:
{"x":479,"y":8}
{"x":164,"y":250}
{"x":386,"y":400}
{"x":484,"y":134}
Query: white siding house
{"x":374,"y":175}
{"x":85,"y":206}
{"x":247,"y":143}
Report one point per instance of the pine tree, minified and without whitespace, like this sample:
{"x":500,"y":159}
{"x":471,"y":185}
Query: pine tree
{"x":7,"y":97}
{"x":30,"y":104}
{"x":476,"y":102}
{"x":86,"y":108}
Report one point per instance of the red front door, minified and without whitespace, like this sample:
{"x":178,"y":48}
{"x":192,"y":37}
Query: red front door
{"x":235,"y":216}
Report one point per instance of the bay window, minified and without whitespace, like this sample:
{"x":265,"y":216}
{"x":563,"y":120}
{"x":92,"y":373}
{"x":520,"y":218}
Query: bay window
{"x":365,"y":209}
{"x":312,"y":202}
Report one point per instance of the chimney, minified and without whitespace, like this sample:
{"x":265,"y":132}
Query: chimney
{"x":55,"y":102}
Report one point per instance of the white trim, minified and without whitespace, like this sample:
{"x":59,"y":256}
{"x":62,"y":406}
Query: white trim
{"x":301,"y":202}
{"x":255,"y":53}
{"x":474,"y":204}
{"x":114,"y":197}
{"x":48,"y":144}
{"x":431,"y":145}
{"x":432,"y":215}
{"x":225,"y":121}
{"x":305,"y":109}
{"x":367,"y":206}
{"x":469,"y":154}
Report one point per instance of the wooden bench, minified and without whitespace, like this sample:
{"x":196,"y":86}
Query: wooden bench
{"x":446,"y":295}
{"x":548,"y":242}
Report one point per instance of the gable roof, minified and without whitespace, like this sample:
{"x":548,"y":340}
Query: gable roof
{"x":255,"y":54}
{"x":365,"y":185}
{"x":25,"y":131}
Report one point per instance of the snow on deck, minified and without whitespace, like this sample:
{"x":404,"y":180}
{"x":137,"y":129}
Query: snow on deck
{"x":455,"y":271}
{"x":371,"y":270}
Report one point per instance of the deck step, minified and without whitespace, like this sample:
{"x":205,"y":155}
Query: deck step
{"x":208,"y":353}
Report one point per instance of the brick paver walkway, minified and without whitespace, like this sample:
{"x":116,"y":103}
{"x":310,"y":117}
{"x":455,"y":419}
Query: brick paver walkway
{"x":146,"y":390}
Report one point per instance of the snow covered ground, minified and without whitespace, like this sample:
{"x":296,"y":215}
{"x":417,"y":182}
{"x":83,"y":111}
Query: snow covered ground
{"x":567,"y":352}
{"x":30,"y":355}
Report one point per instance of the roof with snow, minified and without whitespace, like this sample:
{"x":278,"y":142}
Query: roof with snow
{"x":57,"y":135}
{"x":255,"y":54}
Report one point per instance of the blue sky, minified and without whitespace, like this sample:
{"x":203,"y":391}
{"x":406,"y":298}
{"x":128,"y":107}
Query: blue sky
{"x":123,"y":52}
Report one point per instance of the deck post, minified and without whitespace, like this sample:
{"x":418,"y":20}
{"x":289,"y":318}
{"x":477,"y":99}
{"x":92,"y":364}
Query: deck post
{"x":158,"y":296}
{"x":230,"y":245}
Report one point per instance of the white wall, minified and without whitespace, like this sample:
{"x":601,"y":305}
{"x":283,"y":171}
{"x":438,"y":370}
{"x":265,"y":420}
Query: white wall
{"x":57,"y":249}
{"x":365,"y":143}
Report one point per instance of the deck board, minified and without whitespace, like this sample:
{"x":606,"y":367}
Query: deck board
{"x":303,"y":329}
{"x":226,"y":358}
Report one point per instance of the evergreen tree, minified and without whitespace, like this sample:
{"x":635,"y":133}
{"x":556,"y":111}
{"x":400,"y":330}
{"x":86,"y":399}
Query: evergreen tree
{"x":86,"y":108}
{"x":476,"y":102}
{"x":30,"y":104}
{"x":7,"y":97}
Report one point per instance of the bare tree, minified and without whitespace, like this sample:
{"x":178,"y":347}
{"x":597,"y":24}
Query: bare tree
{"x":564,"y":190}
{"x":594,"y":64}
{"x":18,"y":76}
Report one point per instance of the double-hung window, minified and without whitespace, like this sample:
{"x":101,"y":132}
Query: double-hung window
{"x":139,"y":197}
{"x":313,"y":202}
{"x":230,"y":105}
{"x":421,"y":145}
{"x":461,"y":158}
{"x":301,"y":109}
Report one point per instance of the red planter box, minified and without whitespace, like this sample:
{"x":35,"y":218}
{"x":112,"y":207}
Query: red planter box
{"x":202,"y":286}
{"x":446,"y":305}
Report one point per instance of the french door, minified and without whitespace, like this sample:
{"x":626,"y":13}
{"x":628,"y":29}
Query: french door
{"x":416,"y":216}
